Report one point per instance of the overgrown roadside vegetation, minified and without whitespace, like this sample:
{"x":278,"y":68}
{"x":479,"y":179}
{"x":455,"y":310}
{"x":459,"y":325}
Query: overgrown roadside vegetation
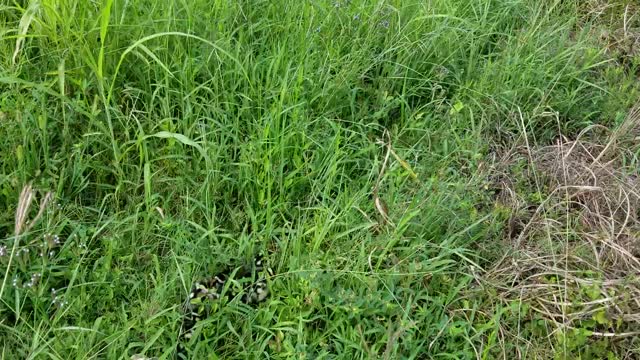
{"x":148,"y":143}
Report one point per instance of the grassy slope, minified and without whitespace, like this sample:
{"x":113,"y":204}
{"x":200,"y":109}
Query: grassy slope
{"x":178,"y":135}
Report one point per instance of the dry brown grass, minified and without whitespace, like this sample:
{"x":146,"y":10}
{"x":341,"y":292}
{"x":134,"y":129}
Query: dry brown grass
{"x":574,"y":250}
{"x":617,"y":26}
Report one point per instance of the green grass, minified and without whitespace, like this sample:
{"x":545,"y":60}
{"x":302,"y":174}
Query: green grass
{"x":177,"y":136}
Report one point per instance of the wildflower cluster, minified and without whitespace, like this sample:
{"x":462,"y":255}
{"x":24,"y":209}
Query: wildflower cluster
{"x":31,"y":273}
{"x":34,"y":280}
{"x":57,"y":301}
{"x":47,"y":246}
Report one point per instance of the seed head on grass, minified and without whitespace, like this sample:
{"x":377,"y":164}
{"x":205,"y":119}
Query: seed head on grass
{"x":22,"y":225}
{"x":24,"y":203}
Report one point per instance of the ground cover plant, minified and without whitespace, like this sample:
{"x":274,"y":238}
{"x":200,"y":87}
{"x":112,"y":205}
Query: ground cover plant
{"x":425,"y":179}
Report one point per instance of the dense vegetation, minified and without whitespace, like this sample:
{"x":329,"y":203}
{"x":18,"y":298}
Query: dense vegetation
{"x":148,"y":143}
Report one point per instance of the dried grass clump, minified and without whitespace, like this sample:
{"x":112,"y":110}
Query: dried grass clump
{"x":617,"y":26}
{"x":575,"y":248}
